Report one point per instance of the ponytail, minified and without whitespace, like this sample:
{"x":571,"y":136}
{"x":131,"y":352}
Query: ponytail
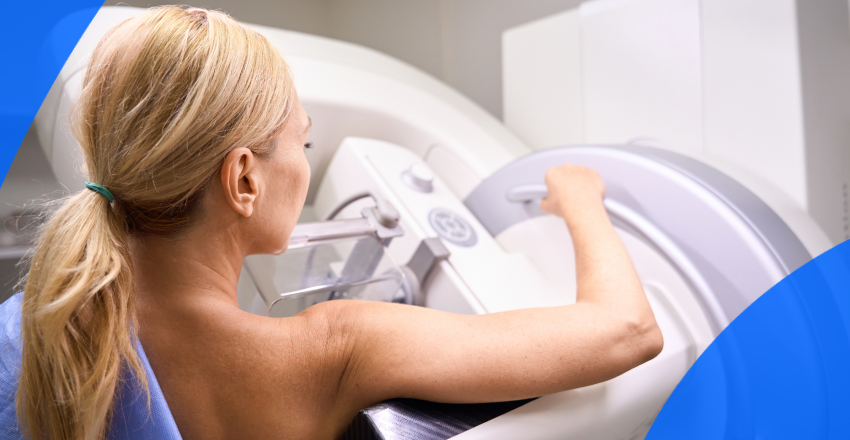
{"x":76,"y":322}
{"x":166,"y":95}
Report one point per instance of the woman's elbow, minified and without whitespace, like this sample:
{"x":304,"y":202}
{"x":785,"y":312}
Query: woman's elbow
{"x":653,"y":341}
{"x":646,"y":338}
{"x":639,"y":340}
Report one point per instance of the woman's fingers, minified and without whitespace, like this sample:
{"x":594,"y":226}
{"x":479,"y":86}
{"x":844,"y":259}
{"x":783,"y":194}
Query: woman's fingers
{"x":568,"y":186}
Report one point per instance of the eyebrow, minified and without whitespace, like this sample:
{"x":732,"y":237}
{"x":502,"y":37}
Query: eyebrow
{"x":309,"y":125}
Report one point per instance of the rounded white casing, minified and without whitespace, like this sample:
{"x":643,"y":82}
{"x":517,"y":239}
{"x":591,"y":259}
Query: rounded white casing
{"x":348,"y":90}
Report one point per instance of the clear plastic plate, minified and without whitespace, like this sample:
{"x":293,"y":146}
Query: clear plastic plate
{"x":353,"y":268}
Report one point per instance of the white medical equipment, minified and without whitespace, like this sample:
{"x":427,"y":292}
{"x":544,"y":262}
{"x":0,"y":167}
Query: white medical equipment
{"x":749,"y":85}
{"x":704,"y":246}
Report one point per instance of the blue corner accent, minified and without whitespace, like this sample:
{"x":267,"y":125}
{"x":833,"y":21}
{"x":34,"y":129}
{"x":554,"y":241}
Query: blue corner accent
{"x":38,"y":37}
{"x":781,"y":370}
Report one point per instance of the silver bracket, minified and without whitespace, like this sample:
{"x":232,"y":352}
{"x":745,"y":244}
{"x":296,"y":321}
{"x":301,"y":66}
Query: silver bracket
{"x":429,"y":253}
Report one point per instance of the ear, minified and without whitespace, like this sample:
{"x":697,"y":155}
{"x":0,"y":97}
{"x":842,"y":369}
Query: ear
{"x":240,"y":180}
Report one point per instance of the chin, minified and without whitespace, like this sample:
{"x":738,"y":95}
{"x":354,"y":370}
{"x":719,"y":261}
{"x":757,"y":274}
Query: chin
{"x":282,"y":248}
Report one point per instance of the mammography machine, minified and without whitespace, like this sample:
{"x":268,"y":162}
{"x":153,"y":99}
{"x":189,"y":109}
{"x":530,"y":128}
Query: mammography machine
{"x":402,"y":159}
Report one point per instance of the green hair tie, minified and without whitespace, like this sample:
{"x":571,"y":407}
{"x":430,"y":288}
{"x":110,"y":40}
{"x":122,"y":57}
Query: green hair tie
{"x":101,"y":190}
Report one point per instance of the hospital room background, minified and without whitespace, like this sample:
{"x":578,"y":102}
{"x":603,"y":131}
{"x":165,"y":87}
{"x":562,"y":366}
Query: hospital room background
{"x":721,"y":129}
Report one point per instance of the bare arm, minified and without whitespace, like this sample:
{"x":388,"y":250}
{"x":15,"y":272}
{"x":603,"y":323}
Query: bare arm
{"x":605,"y":274}
{"x":401,"y":351}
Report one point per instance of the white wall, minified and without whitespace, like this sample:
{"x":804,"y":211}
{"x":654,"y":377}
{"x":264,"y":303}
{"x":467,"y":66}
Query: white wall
{"x":472,"y":41}
{"x":409,"y":30}
{"x":298,"y":15}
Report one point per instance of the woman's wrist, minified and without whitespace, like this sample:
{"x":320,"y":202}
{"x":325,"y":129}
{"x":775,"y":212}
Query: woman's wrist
{"x":583,"y":210}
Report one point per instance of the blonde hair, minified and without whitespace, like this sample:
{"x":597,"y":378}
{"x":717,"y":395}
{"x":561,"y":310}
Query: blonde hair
{"x":167,"y":94}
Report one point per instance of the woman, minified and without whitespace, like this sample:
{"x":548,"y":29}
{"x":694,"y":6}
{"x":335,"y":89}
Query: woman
{"x":193,"y":137}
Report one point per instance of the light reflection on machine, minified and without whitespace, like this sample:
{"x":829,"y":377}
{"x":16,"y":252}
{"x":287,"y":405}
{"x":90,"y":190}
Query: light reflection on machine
{"x":473,"y":238}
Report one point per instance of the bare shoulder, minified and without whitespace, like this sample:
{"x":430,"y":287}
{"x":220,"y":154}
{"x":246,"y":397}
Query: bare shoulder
{"x":350,"y":345}
{"x":263,"y":375}
{"x":313,"y":347}
{"x":315,"y":337}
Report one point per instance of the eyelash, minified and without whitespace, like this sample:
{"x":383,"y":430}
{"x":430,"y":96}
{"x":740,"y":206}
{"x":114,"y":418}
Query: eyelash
{"x":308,"y":145}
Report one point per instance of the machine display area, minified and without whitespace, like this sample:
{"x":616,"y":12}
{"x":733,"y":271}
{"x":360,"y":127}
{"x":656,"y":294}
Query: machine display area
{"x":705,"y":246}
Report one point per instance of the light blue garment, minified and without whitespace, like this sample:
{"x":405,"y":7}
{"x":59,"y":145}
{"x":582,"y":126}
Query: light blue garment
{"x":132,"y":420}
{"x":10,"y":365}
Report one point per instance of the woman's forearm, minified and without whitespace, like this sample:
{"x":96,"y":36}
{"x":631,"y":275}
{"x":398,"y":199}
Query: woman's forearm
{"x":604,"y":270}
{"x":606,"y":278}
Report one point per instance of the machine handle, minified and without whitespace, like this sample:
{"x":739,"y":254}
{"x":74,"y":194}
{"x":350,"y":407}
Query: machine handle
{"x":374,"y":222}
{"x":526,"y":193}
{"x":656,"y":237}
{"x":309,"y":234}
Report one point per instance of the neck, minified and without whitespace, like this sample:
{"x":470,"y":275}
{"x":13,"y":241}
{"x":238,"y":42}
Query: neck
{"x":199,"y":267}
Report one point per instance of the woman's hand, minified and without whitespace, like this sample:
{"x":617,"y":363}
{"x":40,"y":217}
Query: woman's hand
{"x":571,"y":188}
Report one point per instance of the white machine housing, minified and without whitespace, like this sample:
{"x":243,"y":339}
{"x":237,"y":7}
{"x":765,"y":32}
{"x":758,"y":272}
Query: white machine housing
{"x":758,"y":89}
{"x":348,"y":90}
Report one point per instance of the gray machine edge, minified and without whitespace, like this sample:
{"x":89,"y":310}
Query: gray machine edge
{"x":776,"y":236}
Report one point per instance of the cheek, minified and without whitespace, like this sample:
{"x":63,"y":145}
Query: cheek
{"x":307,"y":174}
{"x":296,"y":186}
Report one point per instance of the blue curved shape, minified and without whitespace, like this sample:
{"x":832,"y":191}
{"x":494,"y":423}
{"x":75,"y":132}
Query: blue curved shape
{"x":37,"y":39}
{"x":780,"y":370}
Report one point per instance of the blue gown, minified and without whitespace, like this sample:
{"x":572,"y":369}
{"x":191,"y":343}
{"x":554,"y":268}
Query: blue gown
{"x":131,"y":418}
